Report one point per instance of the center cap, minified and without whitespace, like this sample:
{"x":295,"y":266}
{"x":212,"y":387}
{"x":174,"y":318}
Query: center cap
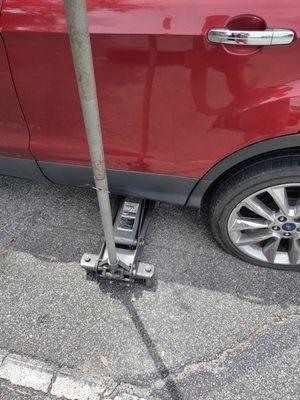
{"x":288,"y":226}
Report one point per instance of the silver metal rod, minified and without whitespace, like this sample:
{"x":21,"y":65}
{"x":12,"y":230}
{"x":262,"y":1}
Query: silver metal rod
{"x":76,"y":13}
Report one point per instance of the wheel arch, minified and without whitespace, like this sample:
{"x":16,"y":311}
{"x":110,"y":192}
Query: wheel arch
{"x":201,"y":193}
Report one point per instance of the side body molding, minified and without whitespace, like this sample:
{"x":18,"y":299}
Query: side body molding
{"x":161,"y":187}
{"x":22,"y":168}
{"x":287,"y":142}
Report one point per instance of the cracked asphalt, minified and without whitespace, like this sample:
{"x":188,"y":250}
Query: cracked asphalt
{"x":212,"y":327}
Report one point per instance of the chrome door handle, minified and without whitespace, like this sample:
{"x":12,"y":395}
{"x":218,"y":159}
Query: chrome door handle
{"x":268,"y":37}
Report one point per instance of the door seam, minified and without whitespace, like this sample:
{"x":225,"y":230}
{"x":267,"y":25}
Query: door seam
{"x":17,"y":96}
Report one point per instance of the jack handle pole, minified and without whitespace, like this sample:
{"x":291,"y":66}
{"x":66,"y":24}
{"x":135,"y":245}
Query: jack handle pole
{"x":76,"y":12}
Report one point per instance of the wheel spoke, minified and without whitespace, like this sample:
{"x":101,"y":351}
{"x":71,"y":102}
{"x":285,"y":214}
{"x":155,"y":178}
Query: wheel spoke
{"x":279,"y":195}
{"x":270,"y":248}
{"x":297,"y":209}
{"x":242,"y":223}
{"x":257,"y":206}
{"x":254,"y":237}
{"x":294,"y":251}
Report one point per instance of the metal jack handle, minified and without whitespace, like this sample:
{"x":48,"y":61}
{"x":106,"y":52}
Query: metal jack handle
{"x":76,"y":13}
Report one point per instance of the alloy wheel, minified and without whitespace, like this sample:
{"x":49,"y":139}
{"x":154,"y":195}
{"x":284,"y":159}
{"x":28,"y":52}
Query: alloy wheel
{"x":266,"y":225}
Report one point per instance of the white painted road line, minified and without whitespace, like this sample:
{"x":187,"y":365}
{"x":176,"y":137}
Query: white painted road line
{"x":26,"y":372}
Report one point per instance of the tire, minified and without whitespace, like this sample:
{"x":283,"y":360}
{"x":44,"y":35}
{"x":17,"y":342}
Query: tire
{"x":250,"y":185}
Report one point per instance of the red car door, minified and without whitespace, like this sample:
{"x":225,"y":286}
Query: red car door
{"x":172,"y":102}
{"x":14,"y":135}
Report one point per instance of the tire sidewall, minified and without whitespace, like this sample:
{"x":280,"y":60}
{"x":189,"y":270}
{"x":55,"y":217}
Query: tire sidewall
{"x":241,"y":190}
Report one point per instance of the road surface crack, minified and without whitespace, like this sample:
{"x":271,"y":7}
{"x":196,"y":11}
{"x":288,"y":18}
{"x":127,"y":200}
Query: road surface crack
{"x":216,"y":364}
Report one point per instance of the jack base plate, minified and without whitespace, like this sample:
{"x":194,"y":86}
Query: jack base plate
{"x":121,"y":272}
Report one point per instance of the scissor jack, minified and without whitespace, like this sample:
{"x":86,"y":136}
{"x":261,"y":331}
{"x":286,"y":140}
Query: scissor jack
{"x":131,"y":219}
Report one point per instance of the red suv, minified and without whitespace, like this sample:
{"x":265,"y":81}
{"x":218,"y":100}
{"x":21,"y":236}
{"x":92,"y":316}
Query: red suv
{"x":200,"y":104}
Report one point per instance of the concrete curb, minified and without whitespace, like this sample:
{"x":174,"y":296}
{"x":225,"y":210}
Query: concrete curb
{"x":63,"y":382}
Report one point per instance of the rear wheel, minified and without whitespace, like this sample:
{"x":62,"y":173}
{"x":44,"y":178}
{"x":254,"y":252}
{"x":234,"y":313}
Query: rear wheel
{"x":255,"y":214}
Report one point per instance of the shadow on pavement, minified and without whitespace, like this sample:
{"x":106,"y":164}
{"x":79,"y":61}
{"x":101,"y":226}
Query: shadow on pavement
{"x":59,"y":223}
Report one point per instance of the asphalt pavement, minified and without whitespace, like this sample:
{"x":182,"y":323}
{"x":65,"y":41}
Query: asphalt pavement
{"x":212,"y":327}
